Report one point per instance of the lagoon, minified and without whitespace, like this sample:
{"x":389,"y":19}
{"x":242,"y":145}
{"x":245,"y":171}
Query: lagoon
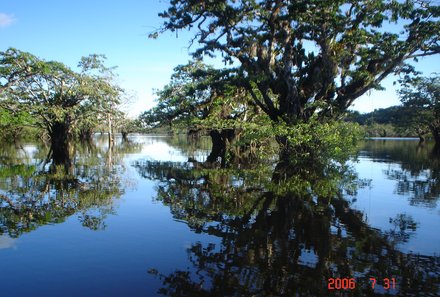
{"x":138,"y":219}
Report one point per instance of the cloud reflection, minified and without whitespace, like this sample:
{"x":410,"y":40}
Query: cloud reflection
{"x":6,"y":242}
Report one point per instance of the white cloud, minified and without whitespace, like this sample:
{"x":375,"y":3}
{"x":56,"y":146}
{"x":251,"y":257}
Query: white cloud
{"x":6,"y":19}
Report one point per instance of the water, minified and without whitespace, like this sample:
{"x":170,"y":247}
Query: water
{"x":139,"y":220}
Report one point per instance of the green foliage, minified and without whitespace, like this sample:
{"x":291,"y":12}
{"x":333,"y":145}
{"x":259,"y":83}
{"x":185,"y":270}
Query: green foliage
{"x":389,"y":115}
{"x":421,"y":97}
{"x":15,"y":123}
{"x":127,"y":125}
{"x":12,"y":118}
{"x":197,"y":96}
{"x":333,"y":140}
{"x":394,"y":121}
{"x":202,"y":99}
{"x":300,"y":59}
{"x":22,"y":170}
{"x":56,"y":96}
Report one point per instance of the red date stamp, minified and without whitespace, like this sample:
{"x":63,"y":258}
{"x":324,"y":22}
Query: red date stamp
{"x":341,"y":283}
{"x":350,"y":283}
{"x":388,"y":283}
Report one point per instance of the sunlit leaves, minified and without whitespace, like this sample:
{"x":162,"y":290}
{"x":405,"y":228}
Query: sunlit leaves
{"x":53,"y":93}
{"x":310,"y":50}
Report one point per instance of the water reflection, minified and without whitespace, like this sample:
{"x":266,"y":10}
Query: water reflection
{"x":414,"y":166}
{"x":281,"y":239}
{"x":236,"y":232}
{"x":34,"y":191}
{"x":6,"y":242}
{"x":404,"y":227}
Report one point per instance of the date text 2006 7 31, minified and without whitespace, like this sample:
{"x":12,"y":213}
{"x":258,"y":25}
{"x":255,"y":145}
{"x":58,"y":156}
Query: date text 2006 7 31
{"x":350,"y":283}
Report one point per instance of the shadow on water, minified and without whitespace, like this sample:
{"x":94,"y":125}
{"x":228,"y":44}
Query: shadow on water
{"x":35,"y":190}
{"x":282,"y":236}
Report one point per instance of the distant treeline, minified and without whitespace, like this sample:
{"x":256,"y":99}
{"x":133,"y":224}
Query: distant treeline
{"x":385,"y":122}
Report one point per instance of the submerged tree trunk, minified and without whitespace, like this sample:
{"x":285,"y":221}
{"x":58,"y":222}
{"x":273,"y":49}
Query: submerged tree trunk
{"x":435,"y":130}
{"x":109,"y":157}
{"x":124,"y":136}
{"x":61,"y":144}
{"x":421,"y":134}
{"x":221,"y":141}
{"x":110,"y":129}
{"x":86,"y":135}
{"x":288,"y":167}
{"x":194,"y":135}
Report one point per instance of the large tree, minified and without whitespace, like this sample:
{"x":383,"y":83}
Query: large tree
{"x":302,"y":59}
{"x":55,"y":94}
{"x":421,"y":96}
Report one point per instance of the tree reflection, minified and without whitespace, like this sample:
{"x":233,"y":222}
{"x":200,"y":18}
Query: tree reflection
{"x":418,"y":172}
{"x":404,"y":227}
{"x":35,"y":191}
{"x":277,"y":239}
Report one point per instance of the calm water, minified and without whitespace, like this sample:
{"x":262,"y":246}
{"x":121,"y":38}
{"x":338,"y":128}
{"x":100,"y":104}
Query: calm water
{"x":139,"y":220}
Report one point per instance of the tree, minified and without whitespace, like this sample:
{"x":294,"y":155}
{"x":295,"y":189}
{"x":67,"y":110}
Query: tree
{"x":58,"y":96}
{"x":203,"y":99}
{"x":127,"y":126}
{"x":183,"y":99}
{"x":421,"y":95}
{"x":303,"y":60}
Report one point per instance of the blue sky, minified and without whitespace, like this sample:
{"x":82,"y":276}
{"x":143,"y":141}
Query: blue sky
{"x":66,"y":30}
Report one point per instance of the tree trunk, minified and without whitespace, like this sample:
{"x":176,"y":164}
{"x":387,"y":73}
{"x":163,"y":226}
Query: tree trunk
{"x":61,"y":144}
{"x":221,"y":140}
{"x":109,"y":157}
{"x":193,"y":135}
{"x":170,"y":125}
{"x":110,"y":129}
{"x":436,"y":150}
{"x":435,"y":130}
{"x":86,"y":135}
{"x":124,"y":136}
{"x":218,"y":149}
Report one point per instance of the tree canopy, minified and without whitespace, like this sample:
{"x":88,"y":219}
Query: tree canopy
{"x":421,"y":96}
{"x":64,"y":102}
{"x":201,"y":97}
{"x":55,"y":93}
{"x":301,"y":58}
